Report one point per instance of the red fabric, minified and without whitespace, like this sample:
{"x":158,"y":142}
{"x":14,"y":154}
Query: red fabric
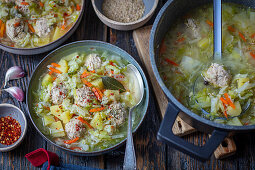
{"x":40,"y":156}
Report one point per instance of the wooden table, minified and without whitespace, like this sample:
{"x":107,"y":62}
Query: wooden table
{"x":151,"y":154}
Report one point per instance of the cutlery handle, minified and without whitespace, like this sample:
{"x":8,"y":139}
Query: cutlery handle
{"x":130,"y":158}
{"x":217,"y":29}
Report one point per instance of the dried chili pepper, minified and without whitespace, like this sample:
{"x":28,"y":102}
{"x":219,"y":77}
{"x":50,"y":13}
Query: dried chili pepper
{"x":10,"y":130}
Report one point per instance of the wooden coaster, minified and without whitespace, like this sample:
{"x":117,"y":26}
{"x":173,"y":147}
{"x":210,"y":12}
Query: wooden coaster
{"x":180,"y":128}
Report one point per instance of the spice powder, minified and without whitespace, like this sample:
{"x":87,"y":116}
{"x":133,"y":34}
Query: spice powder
{"x":123,"y":10}
{"x":10,"y":130}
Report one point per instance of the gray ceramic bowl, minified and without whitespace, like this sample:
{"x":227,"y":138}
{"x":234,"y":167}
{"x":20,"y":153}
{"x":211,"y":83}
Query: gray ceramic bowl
{"x":15,"y":113}
{"x":82,"y":46}
{"x":150,"y":7}
{"x":47,"y":47}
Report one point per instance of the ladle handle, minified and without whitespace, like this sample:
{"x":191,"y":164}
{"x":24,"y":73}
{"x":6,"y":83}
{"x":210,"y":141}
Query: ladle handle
{"x":217,"y":29}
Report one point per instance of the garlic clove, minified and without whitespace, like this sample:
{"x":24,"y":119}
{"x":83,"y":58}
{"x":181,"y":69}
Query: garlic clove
{"x":16,"y":92}
{"x":14,"y":72}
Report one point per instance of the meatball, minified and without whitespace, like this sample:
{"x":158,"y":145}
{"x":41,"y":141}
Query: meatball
{"x":23,"y":6}
{"x":217,"y":75}
{"x":93,"y":62}
{"x":118,"y":113}
{"x":84,"y":96}
{"x":42,"y":29}
{"x":15,"y":29}
{"x":58,"y":93}
{"x":75,"y":128}
{"x":193,"y":28}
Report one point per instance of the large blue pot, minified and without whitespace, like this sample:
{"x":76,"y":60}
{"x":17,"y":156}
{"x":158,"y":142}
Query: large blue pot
{"x":166,"y":17}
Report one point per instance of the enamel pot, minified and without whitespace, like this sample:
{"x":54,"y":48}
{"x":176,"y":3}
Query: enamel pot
{"x":163,"y":22}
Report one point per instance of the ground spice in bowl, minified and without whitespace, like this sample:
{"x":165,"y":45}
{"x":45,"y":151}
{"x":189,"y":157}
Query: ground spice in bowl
{"x":10,"y":130}
{"x":123,"y":11}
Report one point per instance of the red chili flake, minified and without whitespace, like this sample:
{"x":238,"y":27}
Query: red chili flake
{"x":111,"y":63}
{"x":10,"y":130}
{"x":77,"y":128}
{"x":77,"y":56}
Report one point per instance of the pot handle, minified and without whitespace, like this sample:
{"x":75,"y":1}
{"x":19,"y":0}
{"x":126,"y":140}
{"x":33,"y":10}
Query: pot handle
{"x":202,"y":152}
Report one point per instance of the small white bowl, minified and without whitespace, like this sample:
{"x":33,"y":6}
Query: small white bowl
{"x":17,"y":114}
{"x":150,"y":7}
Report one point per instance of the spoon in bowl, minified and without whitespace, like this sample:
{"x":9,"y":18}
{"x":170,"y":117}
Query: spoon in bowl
{"x":130,"y":158}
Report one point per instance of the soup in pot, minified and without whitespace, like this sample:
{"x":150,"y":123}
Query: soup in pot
{"x":221,"y":91}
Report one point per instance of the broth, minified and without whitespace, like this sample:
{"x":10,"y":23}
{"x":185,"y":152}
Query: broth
{"x":186,"y":57}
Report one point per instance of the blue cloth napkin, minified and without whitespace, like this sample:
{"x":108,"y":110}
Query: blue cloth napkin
{"x":66,"y":167}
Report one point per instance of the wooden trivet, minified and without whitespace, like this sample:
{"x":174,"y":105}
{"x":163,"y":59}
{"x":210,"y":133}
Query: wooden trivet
{"x":180,"y":128}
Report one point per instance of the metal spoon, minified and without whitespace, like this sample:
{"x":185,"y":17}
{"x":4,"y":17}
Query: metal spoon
{"x":130,"y":158}
{"x":217,"y":49}
{"x":217,"y":34}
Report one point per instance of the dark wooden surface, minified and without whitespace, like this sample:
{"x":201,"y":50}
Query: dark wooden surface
{"x":151,"y":154}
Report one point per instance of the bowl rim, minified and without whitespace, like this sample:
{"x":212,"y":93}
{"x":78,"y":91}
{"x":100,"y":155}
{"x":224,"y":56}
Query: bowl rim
{"x":13,"y":146}
{"x":100,"y":152}
{"x":53,"y":42}
{"x":103,"y":17}
{"x":170,"y":96}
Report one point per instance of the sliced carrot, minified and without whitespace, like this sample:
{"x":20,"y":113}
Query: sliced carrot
{"x":71,"y":141}
{"x":31,"y":28}
{"x":2,"y":30}
{"x":55,"y":70}
{"x":246,"y":123}
{"x":45,"y":107}
{"x":86,"y":83}
{"x":224,"y":101}
{"x":55,"y":65}
{"x":181,"y":39}
{"x":24,"y":3}
{"x":97,"y":109}
{"x":242,"y":36}
{"x":76,"y":148}
{"x":253,"y":35}
{"x":85,"y":122}
{"x":230,"y":28}
{"x":162,"y":48}
{"x":225,"y":111}
{"x":171,"y":62}
{"x":54,"y":78}
{"x":85,"y":74}
{"x":230,"y":103}
{"x":63,"y":27}
{"x":98,"y":93}
{"x":93,"y":71}
{"x":78,"y":8}
{"x":1,"y":22}
{"x":17,"y":24}
{"x":252,"y":54}
{"x":16,"y":7}
{"x":51,"y":72}
{"x":56,"y":118}
{"x":210,"y":23}
{"x":41,"y":4}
